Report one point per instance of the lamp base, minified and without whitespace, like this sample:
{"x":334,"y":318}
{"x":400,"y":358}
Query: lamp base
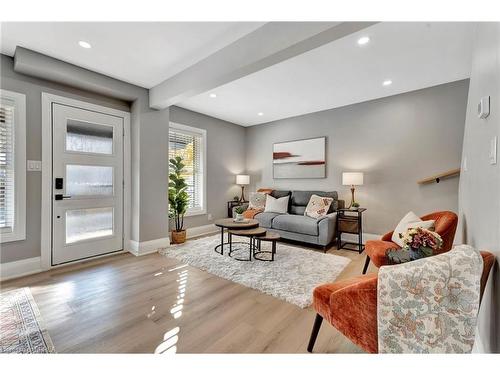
{"x":242,"y":198}
{"x":352,"y":197}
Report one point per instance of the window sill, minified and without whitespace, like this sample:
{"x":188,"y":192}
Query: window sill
{"x":195,"y":213}
{"x":12,"y":237}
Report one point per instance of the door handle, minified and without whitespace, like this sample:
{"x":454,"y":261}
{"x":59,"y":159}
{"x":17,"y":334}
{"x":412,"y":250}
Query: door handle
{"x":60,"y":197}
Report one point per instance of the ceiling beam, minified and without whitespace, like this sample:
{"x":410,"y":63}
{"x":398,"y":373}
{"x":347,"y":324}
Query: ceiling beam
{"x":270,"y":44}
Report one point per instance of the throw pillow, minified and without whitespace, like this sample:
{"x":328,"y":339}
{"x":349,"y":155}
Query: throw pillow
{"x":257,"y":201}
{"x":277,"y":205}
{"x":318,"y":206}
{"x":410,"y":220}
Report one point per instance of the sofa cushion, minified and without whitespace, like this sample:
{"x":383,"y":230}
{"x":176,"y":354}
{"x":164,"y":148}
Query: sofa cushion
{"x":265,"y":218}
{"x":296,"y":223}
{"x":280,"y":193}
{"x":257,"y":201}
{"x":300,"y":199}
{"x":277,"y":205}
{"x":318,"y":206}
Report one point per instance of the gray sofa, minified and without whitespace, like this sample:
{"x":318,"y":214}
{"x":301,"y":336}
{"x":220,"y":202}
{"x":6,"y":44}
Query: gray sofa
{"x":295,"y":226}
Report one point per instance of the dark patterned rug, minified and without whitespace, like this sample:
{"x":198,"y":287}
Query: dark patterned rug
{"x":21,"y":328}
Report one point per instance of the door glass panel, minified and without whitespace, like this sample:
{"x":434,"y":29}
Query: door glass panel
{"x":89,"y":180}
{"x":86,"y":224}
{"x":88,"y":137}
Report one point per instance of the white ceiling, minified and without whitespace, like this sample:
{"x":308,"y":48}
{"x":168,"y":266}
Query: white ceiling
{"x":141,"y":53}
{"x":412,"y":55}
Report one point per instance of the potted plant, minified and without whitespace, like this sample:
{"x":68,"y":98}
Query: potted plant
{"x":239,"y":213}
{"x":178,"y":199}
{"x":355,"y":205}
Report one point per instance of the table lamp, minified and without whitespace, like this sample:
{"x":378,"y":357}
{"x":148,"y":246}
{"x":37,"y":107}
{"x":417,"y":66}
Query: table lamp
{"x":242,"y":180}
{"x":353,"y":179}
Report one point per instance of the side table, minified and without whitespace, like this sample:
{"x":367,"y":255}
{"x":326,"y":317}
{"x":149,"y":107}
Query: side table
{"x":350,"y":221}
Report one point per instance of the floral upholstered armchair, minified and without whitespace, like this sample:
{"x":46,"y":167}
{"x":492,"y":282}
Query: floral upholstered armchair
{"x":351,"y":306}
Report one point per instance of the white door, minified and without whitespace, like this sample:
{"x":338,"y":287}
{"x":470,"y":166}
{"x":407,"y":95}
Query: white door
{"x":87,"y":204}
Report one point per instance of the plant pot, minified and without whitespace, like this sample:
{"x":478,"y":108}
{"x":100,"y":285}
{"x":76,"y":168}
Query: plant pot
{"x":239,"y":217}
{"x":178,"y":236}
{"x":418,"y":253}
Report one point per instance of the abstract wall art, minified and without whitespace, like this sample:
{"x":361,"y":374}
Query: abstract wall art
{"x":300,"y":159}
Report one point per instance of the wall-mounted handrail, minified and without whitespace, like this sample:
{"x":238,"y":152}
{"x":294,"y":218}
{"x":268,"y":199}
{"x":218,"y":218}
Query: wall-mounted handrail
{"x":436,"y":178}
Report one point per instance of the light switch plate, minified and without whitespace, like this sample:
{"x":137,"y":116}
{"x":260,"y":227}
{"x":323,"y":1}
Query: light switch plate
{"x":464,"y":164}
{"x":493,"y":150}
{"x":483,"y":108}
{"x":34,"y":165}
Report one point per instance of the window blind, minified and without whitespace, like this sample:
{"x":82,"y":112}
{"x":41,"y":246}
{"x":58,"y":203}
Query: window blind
{"x":7,"y":172}
{"x":189,"y":146}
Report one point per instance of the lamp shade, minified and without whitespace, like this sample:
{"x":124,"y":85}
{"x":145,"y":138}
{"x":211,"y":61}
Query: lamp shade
{"x":352,"y":178}
{"x":242,"y":179}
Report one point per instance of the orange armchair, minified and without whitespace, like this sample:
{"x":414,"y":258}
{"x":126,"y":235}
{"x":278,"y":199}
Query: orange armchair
{"x":351,"y":307}
{"x":445,"y":225}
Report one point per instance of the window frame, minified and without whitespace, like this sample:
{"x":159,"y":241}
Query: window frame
{"x":19,"y":231}
{"x":203,"y":134}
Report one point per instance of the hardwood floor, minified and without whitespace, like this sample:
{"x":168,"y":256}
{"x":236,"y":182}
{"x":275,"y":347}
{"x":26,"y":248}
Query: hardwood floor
{"x":152,"y":303}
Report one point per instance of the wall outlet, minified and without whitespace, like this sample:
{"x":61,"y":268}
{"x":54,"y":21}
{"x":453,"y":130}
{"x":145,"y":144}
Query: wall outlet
{"x":209,"y":216}
{"x":493,"y":150}
{"x":34,"y":165}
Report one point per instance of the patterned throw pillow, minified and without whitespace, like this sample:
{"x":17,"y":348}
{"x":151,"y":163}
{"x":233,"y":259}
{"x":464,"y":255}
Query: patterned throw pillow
{"x":318,"y":206}
{"x":410,"y":220}
{"x":257,"y":201}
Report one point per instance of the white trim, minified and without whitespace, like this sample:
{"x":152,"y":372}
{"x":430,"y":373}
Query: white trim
{"x":20,"y":268}
{"x":201,"y":230}
{"x":366,"y":237}
{"x":148,"y":247}
{"x":203,"y":133}
{"x":19,"y":231}
{"x":46,"y":224}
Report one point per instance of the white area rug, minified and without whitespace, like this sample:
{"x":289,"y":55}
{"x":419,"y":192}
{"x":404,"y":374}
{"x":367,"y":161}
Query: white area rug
{"x":292,"y":276}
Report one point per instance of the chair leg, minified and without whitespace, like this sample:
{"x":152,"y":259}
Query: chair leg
{"x":367,"y":262}
{"x":314,"y":332}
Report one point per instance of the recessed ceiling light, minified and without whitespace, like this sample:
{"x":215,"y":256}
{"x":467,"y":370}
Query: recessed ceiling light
{"x":84,"y":44}
{"x":363,"y":40}
{"x":260,"y":114}
{"x":212,"y":95}
{"x":387,"y":82}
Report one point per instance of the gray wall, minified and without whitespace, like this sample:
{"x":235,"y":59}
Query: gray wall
{"x":33,"y":88}
{"x":149,"y":139}
{"x":480,"y":184}
{"x":395,"y":141}
{"x":225,"y":159}
{"x":149,"y":135}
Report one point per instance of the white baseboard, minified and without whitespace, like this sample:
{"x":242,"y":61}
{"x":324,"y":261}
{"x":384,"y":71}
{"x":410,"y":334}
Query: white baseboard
{"x":148,"y":247}
{"x":201,"y":230}
{"x":366,"y":237}
{"x":20,"y":268}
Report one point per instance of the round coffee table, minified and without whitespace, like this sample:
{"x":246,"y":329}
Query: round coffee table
{"x":231,"y":224}
{"x":252,"y":234}
{"x":272,"y":237}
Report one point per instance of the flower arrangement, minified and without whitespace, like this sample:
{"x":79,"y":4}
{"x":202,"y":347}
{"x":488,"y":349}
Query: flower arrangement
{"x":421,"y":242}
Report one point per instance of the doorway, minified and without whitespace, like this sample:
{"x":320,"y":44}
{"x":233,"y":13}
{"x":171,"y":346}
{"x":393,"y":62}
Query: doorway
{"x":87,"y":182}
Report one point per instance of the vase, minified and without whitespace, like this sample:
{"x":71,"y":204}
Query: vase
{"x":239,"y":217}
{"x":415,"y":253}
{"x":178,"y":237}
{"x":419,"y":252}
